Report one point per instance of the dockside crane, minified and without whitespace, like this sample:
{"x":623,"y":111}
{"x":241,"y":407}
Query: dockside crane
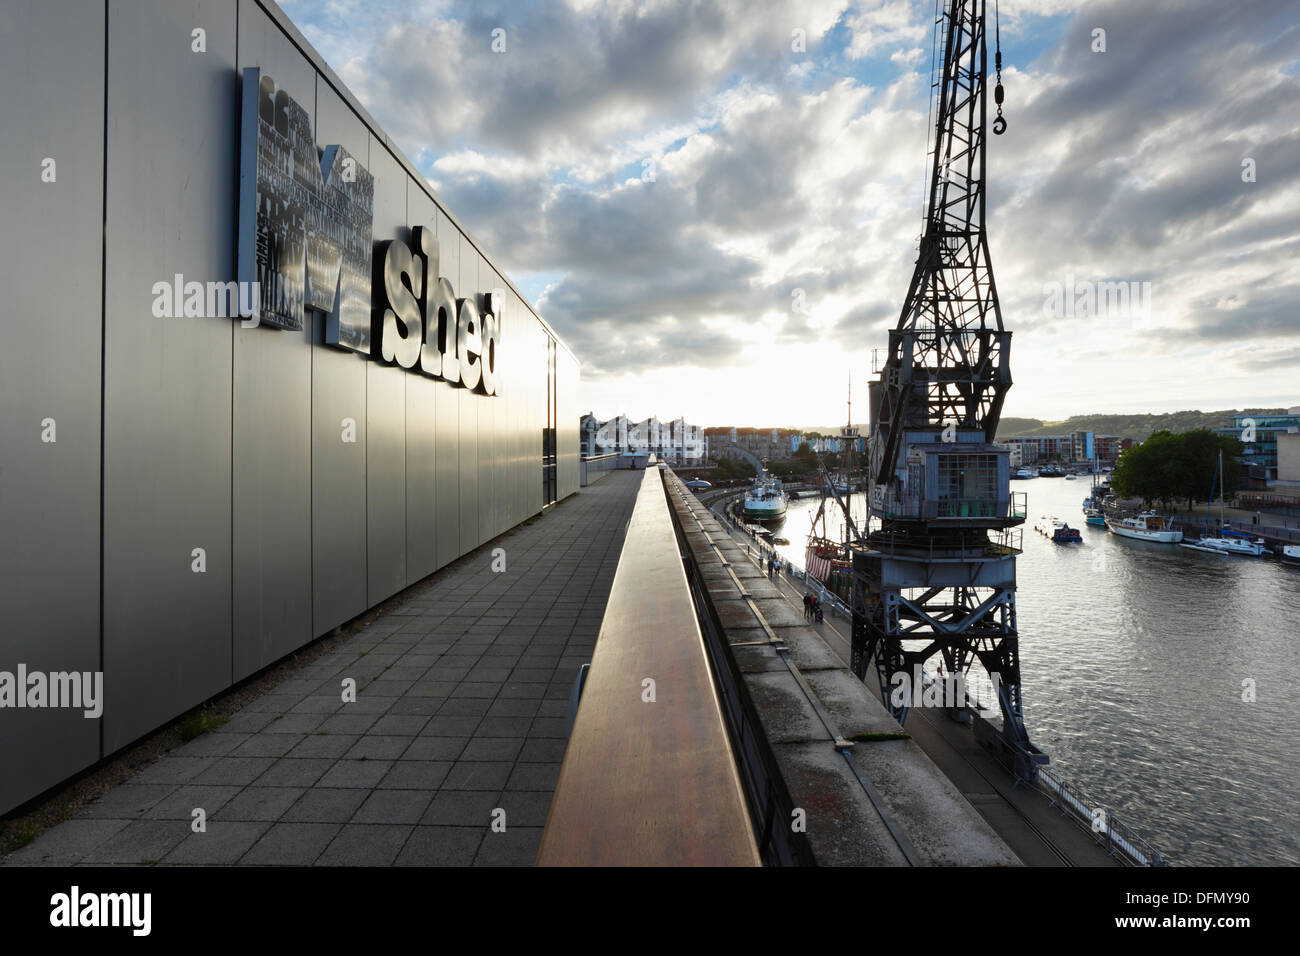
{"x":938,"y":576}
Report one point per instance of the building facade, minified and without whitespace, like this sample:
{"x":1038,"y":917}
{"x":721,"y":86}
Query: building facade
{"x":676,"y":441}
{"x":1080,"y":447}
{"x":770,"y":444}
{"x":829,"y":443}
{"x":1259,"y":435}
{"x":195,"y":485}
{"x":1014,"y":451}
{"x":1288,"y":462}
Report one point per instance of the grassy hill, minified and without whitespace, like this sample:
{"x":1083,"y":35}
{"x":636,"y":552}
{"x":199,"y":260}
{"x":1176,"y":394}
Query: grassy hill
{"x":1138,"y":426}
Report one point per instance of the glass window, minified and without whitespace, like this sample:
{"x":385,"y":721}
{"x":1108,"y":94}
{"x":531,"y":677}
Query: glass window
{"x":971,"y":479}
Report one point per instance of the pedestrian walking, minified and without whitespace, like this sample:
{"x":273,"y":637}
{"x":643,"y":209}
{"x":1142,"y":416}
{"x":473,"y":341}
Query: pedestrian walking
{"x":807,"y":606}
{"x":819,"y":612}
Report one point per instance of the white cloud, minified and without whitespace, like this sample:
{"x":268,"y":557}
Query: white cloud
{"x":774,"y":172}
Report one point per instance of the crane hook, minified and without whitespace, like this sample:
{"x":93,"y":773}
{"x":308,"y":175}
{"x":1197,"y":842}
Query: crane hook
{"x":999,"y":124}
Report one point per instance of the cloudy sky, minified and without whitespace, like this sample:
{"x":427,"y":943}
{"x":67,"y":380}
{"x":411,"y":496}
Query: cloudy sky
{"x":723,"y":226}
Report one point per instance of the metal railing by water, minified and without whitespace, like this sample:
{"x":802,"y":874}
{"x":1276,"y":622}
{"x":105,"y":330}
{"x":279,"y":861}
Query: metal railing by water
{"x":1121,"y":841}
{"x":649,"y":777}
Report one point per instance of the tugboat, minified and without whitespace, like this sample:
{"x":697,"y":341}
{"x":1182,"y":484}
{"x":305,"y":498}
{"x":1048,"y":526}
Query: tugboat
{"x":765,"y":500}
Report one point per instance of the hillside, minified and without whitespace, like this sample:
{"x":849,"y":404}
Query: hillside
{"x":1137,"y":426}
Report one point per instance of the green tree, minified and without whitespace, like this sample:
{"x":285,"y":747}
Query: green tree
{"x":1169,"y":467}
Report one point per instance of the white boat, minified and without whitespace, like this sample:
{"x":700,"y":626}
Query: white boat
{"x":1252,"y":549}
{"x":1290,"y":554}
{"x":1148,"y":526}
{"x":1024,"y":473}
{"x":1069,"y":477}
{"x":1228,"y":541}
{"x":765,"y":500}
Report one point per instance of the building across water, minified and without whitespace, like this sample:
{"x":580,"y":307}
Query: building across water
{"x":257,"y":377}
{"x":1077,"y":447}
{"x":1261,"y":436}
{"x":677,"y":441}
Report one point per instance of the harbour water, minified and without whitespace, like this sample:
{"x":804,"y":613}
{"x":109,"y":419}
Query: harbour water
{"x":1135,"y":661}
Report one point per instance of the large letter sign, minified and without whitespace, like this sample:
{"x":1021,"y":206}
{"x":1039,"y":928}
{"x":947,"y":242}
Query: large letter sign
{"x":305,"y":219}
{"x":421,"y":325}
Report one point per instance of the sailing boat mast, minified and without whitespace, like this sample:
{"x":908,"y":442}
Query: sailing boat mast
{"x":1221,"y":495}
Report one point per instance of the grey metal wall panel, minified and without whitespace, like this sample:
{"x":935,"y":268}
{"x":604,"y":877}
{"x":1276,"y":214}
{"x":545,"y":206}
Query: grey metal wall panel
{"x":271,"y":467}
{"x":447,"y":453}
{"x":52,"y":74}
{"x":167,"y":392}
{"x":533,"y":372}
{"x":566,"y":422}
{"x":522,"y":399}
{"x":528,"y":464}
{"x":215,"y":436}
{"x":338,"y":403}
{"x":386,"y":410}
{"x":338,"y":485}
{"x":487,"y":431}
{"x":421,"y":477}
{"x":421,"y":438}
{"x":468,"y":417}
{"x":271,"y":494}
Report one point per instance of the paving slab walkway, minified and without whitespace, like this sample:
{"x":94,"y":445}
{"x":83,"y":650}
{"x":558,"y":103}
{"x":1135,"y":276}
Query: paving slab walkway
{"x":459,"y":726}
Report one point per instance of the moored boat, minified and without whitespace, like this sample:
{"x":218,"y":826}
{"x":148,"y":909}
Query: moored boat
{"x":1147,"y":526}
{"x":1094,"y":517}
{"x":1290,"y":554}
{"x":1092,"y":513}
{"x":1228,"y":540}
{"x":1239,"y":546}
{"x":1057,"y":530}
{"x":765,"y":500}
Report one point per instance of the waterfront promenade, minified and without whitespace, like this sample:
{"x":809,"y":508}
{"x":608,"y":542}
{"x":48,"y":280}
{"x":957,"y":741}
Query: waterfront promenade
{"x":449,"y":754}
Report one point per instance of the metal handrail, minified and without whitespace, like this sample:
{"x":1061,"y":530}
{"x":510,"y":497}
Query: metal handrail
{"x":1122,"y":840}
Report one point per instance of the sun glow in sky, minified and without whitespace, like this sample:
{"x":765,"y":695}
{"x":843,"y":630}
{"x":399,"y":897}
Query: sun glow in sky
{"x":722,"y":226}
